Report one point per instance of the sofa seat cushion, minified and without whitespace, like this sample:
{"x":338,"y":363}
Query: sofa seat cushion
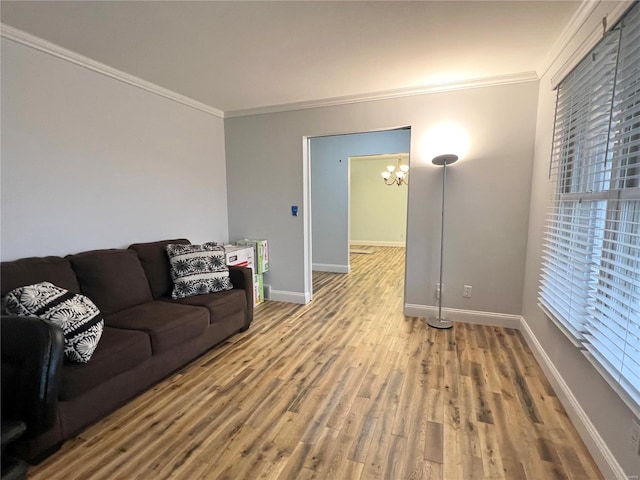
{"x":221,"y":305}
{"x":166,"y":324}
{"x":118,"y":351}
{"x":155,"y":261}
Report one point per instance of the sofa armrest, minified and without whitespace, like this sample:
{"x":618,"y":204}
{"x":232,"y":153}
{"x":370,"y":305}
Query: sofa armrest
{"x":242,"y":277}
{"x":32,"y":356}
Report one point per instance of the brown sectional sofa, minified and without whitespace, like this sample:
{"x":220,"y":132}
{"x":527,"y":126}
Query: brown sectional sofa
{"x":147,"y":335}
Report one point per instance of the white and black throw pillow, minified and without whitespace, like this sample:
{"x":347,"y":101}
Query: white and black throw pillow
{"x":77,"y":315}
{"x":198,"y":269}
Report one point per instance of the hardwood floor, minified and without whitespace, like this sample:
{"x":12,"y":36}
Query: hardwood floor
{"x":345,"y":387}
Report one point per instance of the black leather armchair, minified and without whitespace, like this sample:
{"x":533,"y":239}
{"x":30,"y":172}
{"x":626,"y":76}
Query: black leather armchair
{"x":32,"y":354}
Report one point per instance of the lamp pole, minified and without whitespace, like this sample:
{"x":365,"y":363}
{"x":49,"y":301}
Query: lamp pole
{"x":442,"y":160}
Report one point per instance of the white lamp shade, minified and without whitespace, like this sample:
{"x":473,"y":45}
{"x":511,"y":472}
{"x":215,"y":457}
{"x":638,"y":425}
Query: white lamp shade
{"x":385,"y":175}
{"x":391,"y":168}
{"x":404,"y":168}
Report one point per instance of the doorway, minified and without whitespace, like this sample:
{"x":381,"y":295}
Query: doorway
{"x":377,"y":209}
{"x":327,"y":238}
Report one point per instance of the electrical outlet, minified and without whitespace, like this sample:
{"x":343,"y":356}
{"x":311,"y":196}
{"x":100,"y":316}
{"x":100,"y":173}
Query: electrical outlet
{"x":437,"y":291}
{"x":466,"y":292}
{"x":635,"y":436}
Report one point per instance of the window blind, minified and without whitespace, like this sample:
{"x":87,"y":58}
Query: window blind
{"x":590,"y":279}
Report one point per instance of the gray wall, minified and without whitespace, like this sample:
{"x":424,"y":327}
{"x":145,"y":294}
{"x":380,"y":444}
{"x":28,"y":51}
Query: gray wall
{"x":597,"y":411}
{"x":377,"y":212}
{"x":488,"y":192}
{"x":330,"y":188}
{"x":89,"y":162}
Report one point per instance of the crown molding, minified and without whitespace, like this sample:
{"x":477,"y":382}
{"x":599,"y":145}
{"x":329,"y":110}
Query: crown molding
{"x":577,"y":22}
{"x":37,"y":43}
{"x":389,"y":94}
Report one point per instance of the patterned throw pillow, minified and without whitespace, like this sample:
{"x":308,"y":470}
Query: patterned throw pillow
{"x":79,"y":318}
{"x":198,"y":269}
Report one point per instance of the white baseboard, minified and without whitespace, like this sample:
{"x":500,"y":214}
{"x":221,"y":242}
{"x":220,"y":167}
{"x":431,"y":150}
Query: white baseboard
{"x":376,"y":243}
{"x":290,"y":297}
{"x":327,"y":267}
{"x":603,"y":457}
{"x":466,"y":316}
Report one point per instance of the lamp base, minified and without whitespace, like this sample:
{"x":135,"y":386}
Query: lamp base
{"x":441,"y":323}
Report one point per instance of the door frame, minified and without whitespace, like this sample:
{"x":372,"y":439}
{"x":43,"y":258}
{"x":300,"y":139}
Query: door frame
{"x":307,"y":207}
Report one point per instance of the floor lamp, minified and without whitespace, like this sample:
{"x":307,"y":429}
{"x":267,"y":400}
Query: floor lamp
{"x":443,"y":161}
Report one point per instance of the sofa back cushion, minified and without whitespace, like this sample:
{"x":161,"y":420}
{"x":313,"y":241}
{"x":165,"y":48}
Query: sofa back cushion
{"x":28,"y":271}
{"x":113,"y":279}
{"x":155,"y":262}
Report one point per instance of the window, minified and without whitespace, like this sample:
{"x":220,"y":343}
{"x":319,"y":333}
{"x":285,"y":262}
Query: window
{"x":591,"y":266}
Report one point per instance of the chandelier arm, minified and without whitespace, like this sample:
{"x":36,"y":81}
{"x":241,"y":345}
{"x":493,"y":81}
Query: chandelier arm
{"x":387,"y":183}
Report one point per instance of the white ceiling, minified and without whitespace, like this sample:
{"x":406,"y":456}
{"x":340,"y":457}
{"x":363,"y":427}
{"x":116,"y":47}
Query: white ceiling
{"x":244,"y":55}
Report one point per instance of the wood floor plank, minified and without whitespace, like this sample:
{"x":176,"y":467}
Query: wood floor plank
{"x":490,"y":452}
{"x":344,"y":388}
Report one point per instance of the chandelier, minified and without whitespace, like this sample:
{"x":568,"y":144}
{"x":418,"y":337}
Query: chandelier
{"x":396,"y":175}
